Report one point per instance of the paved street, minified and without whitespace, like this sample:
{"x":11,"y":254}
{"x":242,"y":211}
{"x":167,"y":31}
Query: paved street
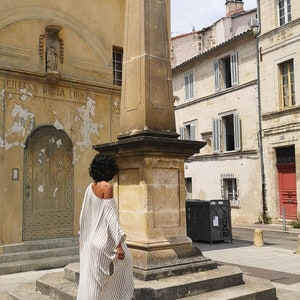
{"x":275,"y":261}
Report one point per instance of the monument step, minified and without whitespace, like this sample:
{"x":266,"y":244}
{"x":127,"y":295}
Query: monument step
{"x":57,"y":286}
{"x":177,"y":287}
{"x":26,"y":292}
{"x":225,"y":283}
{"x":37,"y":264}
{"x":252,"y":289}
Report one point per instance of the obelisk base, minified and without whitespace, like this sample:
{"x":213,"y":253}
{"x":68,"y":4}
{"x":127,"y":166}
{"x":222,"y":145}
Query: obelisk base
{"x":154,"y":265}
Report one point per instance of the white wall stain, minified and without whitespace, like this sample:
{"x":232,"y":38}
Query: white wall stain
{"x":42,"y":155}
{"x":59,"y":143}
{"x":87,"y":128}
{"x":24,"y":94}
{"x":40,"y":189}
{"x":58,"y":125}
{"x":24,"y":120}
{"x":55,"y":191}
{"x":2,"y":93}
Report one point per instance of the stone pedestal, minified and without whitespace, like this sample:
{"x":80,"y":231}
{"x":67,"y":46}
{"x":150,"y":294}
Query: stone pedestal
{"x":151,"y":197}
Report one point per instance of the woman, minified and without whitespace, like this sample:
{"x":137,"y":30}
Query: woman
{"x":105,"y":262}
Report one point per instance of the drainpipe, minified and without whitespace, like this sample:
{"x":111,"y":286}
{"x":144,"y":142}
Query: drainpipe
{"x":260,"y":144}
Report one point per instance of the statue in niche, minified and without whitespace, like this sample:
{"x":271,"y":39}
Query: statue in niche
{"x":54,"y":48}
{"x":52,"y":57}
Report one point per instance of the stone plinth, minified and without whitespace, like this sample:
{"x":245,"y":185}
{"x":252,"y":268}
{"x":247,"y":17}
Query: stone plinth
{"x":151,"y":196}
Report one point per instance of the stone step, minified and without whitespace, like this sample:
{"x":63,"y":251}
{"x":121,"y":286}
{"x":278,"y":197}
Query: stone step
{"x":177,"y":287}
{"x":225,"y":282}
{"x":57,"y":286}
{"x":37,"y":254}
{"x":37,"y":264}
{"x":252,"y":289}
{"x":39,"y":245}
{"x":26,"y":292}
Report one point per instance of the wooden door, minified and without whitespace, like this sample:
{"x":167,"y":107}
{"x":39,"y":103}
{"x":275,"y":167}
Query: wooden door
{"x":287,"y":190}
{"x":48,"y":185}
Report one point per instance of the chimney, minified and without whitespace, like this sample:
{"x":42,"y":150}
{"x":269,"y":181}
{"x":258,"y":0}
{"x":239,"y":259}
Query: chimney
{"x":234,"y":7}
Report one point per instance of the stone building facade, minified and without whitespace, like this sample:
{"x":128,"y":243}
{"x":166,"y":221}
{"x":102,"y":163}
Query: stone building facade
{"x":279,"y":56}
{"x":216,"y":101}
{"x":258,"y":174}
{"x":60,"y":88}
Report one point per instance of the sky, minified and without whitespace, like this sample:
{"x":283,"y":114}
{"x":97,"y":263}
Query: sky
{"x":186,"y":14}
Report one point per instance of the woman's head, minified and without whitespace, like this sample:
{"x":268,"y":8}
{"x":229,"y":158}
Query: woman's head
{"x":103,"y":168}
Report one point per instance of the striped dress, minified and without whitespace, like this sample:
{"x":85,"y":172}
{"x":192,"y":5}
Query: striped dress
{"x":102,"y":275}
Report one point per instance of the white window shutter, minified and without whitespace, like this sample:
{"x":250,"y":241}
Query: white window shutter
{"x":216,"y":134}
{"x":217,"y":75}
{"x":234,"y":69}
{"x":189,"y":85}
{"x":237,"y":132}
{"x":181,"y":132}
{"x":193,"y":133}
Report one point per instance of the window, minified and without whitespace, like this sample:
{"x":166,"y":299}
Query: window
{"x":284,"y":11}
{"x":189,"y":85}
{"x":229,"y":188}
{"x":226,"y":133}
{"x":188,"y":132}
{"x":188,"y":188}
{"x":117,"y":66}
{"x":287,"y":84}
{"x":226,"y":69}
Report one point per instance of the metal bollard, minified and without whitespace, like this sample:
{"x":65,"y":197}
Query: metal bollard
{"x":258,"y":240}
{"x":298,"y":249}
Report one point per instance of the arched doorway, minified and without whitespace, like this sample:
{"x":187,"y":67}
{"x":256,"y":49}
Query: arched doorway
{"x":48,"y":185}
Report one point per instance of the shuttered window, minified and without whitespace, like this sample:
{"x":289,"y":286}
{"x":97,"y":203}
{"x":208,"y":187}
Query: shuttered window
{"x":226,"y":72}
{"x":188,"y":132}
{"x":216,"y":135}
{"x":226,"y":133}
{"x":189,"y":85}
{"x":234,"y":69}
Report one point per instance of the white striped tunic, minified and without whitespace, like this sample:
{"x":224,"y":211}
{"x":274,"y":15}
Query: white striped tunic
{"x":102,"y":275}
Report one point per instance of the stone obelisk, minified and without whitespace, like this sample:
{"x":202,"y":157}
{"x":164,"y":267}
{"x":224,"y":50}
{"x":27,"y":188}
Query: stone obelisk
{"x":150,"y":188}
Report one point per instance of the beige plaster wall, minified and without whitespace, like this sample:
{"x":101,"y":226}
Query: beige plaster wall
{"x":83,"y":103}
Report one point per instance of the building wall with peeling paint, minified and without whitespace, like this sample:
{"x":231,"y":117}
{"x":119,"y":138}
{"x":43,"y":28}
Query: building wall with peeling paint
{"x":71,"y":91}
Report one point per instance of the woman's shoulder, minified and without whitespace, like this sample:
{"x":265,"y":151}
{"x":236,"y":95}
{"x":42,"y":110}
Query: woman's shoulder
{"x":103,"y":189}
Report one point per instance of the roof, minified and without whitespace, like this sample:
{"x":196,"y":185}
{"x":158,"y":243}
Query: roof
{"x":197,"y":57}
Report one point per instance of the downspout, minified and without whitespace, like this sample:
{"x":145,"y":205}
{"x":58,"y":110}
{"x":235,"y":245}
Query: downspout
{"x":260,"y":144}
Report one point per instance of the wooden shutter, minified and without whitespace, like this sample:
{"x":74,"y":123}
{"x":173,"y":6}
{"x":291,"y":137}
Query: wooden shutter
{"x":217,"y":75}
{"x":181,"y":133}
{"x":234,"y":69}
{"x":237,"y":132}
{"x":216,"y":134}
{"x":193,"y":132}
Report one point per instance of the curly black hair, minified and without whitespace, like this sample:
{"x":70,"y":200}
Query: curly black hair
{"x":103,"y":168}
